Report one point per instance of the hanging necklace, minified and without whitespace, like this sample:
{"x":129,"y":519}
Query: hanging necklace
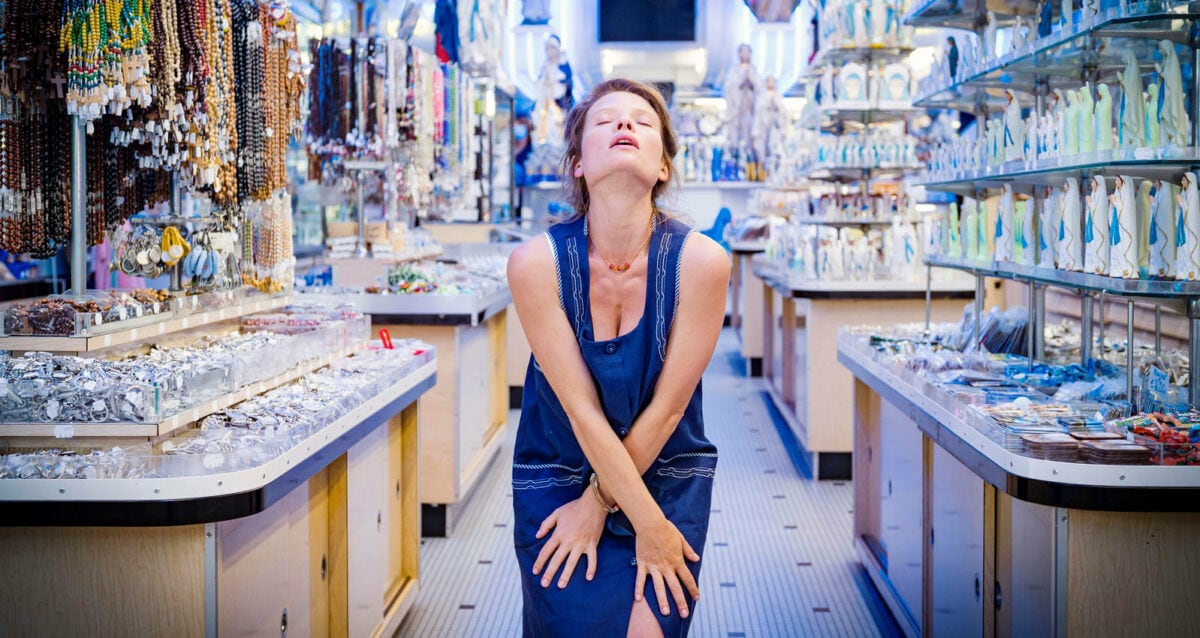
{"x":613,"y":266}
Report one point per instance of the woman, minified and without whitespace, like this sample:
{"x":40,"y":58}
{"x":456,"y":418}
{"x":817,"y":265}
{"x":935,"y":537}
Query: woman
{"x":622,"y":307}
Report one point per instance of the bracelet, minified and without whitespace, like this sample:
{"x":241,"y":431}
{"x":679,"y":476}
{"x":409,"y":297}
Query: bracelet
{"x":611,"y":509}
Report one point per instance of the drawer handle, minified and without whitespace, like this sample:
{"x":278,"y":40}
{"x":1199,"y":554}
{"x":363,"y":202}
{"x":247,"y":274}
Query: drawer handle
{"x":978,"y":588}
{"x":323,"y":567}
{"x":283,"y":624}
{"x":999,"y":597}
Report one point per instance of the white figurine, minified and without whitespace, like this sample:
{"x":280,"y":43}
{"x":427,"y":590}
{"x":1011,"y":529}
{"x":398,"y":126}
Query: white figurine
{"x":742,"y":87}
{"x":828,"y":98}
{"x":1187,"y":230}
{"x":770,"y":122}
{"x":983,"y":230}
{"x":1023,"y":235}
{"x":1153,"y":120}
{"x":1095,"y":229}
{"x":1059,"y":111}
{"x":1032,"y":137}
{"x":989,"y":38}
{"x":1070,"y":249}
{"x":953,"y":246}
{"x":1014,"y":129}
{"x":1122,"y":230}
{"x":1018,"y":34}
{"x":1145,"y":212}
{"x":1051,"y":210}
{"x":1103,"y":117}
{"x":861,"y":33}
{"x":852,"y":84}
{"x":1174,"y":117}
{"x":1162,"y":230}
{"x":895,"y":83}
{"x":1088,"y":9}
{"x":1005,"y":231}
{"x":970,"y":229}
{"x":1065,"y":11}
{"x":1070,"y":141}
{"x":1133,"y":116}
{"x":880,"y":18}
{"x":1087,"y":120}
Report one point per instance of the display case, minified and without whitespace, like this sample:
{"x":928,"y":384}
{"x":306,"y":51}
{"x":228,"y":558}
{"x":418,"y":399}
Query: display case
{"x":463,"y":418}
{"x":314,"y":468}
{"x":1032,"y":509}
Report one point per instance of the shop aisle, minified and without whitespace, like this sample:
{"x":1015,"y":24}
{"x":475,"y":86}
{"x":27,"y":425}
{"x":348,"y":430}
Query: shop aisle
{"x":779,"y":559}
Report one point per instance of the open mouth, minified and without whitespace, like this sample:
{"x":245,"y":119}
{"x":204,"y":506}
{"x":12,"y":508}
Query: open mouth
{"x":624,"y":140}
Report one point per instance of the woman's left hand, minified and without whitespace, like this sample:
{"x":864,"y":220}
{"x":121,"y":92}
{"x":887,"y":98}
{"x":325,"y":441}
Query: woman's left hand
{"x":577,"y":526}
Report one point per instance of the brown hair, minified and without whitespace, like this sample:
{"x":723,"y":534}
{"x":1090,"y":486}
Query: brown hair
{"x":575,"y":188}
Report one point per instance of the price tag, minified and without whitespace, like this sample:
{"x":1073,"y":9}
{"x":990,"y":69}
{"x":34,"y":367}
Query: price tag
{"x":1158,"y":381}
{"x":64,"y":431}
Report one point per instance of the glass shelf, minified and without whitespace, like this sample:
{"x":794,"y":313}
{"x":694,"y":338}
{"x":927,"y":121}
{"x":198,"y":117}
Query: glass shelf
{"x":841,"y":55}
{"x":833,"y":116}
{"x":850,"y":221}
{"x":1058,"y":60}
{"x":853,"y":173}
{"x":1168,"y":288}
{"x":961,"y":14}
{"x":1148,"y":163}
{"x":963,"y":98}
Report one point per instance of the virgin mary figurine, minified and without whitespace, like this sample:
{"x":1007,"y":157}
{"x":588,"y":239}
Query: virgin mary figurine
{"x":1069,"y":250}
{"x":1122,"y":230}
{"x":1187,"y":231}
{"x":1162,"y":230}
{"x":1095,"y":229}
{"x":1005,"y":232}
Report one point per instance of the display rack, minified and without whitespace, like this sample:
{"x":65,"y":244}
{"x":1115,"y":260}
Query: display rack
{"x":175,"y":421}
{"x":1007,"y":525}
{"x":1088,"y":50}
{"x":147,"y":327}
{"x":1165,"y":164}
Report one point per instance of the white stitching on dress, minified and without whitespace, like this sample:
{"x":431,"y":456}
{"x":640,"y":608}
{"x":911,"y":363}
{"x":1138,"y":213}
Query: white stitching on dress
{"x":683,"y":473}
{"x":576,"y":285}
{"x":557,"y":270}
{"x":687,"y":455}
{"x":541,"y":484}
{"x":660,"y":275}
{"x":547,"y":466}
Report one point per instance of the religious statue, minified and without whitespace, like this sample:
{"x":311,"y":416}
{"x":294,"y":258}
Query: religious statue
{"x":1018,"y":33}
{"x":1070,"y":251}
{"x":554,"y":93}
{"x":1162,"y":230}
{"x":1087,"y":120}
{"x":827,"y":95}
{"x":770,"y":121}
{"x":860,"y":31}
{"x":1045,"y":11}
{"x":1048,"y":228}
{"x":1023,"y":246}
{"x":1187,"y":230}
{"x":880,"y":16}
{"x":1103,"y":116}
{"x":1145,"y":212}
{"x":1095,"y":229}
{"x":1005,"y":231}
{"x":741,"y":93}
{"x":1059,"y":112}
{"x":1133,"y":116}
{"x":952,"y":57}
{"x":535,"y":12}
{"x":1070,"y":137}
{"x":953,"y":238}
{"x":1153,"y":120}
{"x":970,"y":229}
{"x":1014,"y":129}
{"x":1088,"y":9}
{"x":894,"y":84}
{"x":852,"y":84}
{"x":1122,"y":230}
{"x":1174,"y":117}
{"x":1066,"y":12}
{"x":989,"y":38}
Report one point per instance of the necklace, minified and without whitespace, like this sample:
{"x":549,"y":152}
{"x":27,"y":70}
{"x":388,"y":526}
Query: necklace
{"x":625,"y":266}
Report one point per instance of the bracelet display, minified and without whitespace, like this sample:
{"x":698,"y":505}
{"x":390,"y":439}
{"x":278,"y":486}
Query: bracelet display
{"x":611,"y":509}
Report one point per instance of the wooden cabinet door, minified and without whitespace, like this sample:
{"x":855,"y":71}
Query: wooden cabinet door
{"x":367,"y":563}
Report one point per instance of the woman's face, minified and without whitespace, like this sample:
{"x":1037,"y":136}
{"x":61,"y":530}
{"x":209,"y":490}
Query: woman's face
{"x":622,"y":134}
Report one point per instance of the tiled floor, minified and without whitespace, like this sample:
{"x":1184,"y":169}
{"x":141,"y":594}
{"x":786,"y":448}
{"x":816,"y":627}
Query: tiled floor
{"x":779,"y":560}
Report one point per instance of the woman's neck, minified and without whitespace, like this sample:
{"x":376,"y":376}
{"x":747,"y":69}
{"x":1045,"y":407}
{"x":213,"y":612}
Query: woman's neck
{"x":618,"y":221}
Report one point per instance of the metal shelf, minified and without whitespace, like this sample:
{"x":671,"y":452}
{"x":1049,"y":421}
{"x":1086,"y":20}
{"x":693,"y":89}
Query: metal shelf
{"x":1148,"y":163}
{"x":1059,"y":60}
{"x":961,"y":14}
{"x":1148,"y":288}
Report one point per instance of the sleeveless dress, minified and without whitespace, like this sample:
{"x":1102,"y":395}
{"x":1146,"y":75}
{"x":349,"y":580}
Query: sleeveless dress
{"x":550,"y":469}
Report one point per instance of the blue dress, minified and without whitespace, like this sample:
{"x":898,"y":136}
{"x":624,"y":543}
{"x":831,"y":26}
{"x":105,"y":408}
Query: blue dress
{"x":550,"y":469}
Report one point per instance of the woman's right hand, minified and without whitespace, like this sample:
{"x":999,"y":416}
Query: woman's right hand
{"x":661,"y":551}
